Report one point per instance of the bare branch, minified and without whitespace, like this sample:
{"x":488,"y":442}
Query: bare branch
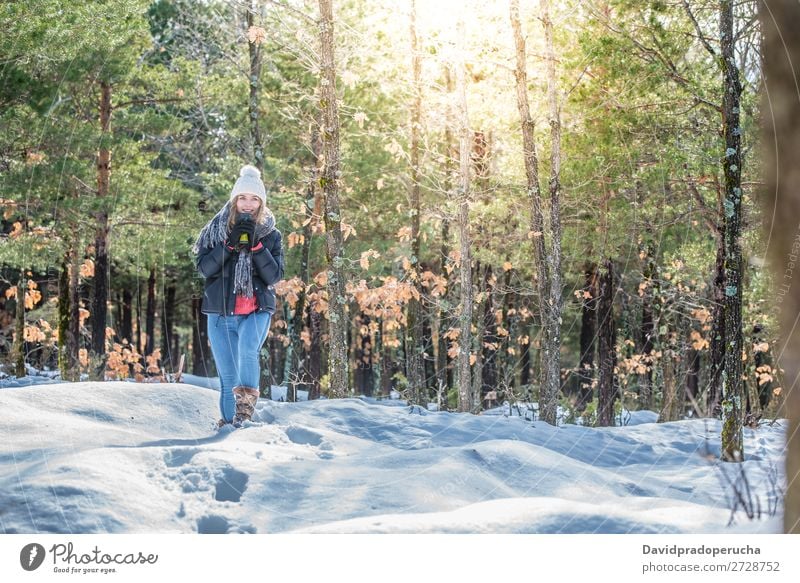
{"x":700,"y":34}
{"x":709,"y":216}
{"x":294,"y":11}
{"x":746,"y":27}
{"x":651,"y":55}
{"x":82,"y":183}
{"x":577,"y":81}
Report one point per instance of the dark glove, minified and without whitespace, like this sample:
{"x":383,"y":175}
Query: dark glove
{"x":242,"y":234}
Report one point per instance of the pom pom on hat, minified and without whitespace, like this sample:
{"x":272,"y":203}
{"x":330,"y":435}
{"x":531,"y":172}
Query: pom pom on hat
{"x":249,"y":182}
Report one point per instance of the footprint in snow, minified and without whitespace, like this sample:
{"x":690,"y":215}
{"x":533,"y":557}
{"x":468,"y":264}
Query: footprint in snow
{"x":177,"y":457}
{"x":302,"y":436}
{"x":213,"y":524}
{"x":230,"y":485}
{"x":216,"y":524}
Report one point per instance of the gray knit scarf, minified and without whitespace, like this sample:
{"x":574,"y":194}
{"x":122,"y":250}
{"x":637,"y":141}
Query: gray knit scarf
{"x":216,"y":233}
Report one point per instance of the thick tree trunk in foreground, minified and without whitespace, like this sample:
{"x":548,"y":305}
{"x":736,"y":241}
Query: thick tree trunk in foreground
{"x":782,"y":201}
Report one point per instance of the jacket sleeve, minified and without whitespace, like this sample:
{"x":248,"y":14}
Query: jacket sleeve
{"x":268,"y":260}
{"x":210,"y":261}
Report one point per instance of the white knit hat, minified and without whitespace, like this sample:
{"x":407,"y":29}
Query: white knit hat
{"x":249,"y":182}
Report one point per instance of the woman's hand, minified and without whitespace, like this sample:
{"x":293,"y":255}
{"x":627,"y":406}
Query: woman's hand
{"x":242,"y":234}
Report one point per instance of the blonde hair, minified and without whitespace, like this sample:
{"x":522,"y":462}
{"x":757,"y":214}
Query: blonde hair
{"x":233,"y":216}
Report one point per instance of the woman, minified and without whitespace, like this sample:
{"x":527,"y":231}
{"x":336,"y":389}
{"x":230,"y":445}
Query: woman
{"x":239,"y":254}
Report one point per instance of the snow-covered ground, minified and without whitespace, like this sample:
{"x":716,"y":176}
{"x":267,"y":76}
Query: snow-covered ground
{"x":121,"y":457}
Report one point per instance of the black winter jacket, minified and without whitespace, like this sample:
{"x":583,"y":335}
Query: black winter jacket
{"x":217,"y":265}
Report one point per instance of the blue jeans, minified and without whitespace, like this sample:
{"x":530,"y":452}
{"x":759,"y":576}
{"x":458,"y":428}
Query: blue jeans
{"x":236,"y":342}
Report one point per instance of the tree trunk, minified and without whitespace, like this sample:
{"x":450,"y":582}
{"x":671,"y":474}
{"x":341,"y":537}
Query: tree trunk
{"x":526,"y":358}
{"x":385,"y":359}
{"x":465,"y":317}
{"x":491,"y":339}
{"x":671,"y":398}
{"x":126,"y":317}
{"x":267,"y":362}
{"x":337,"y":357}
{"x":444,"y":368}
{"x":116,"y":319}
{"x":717,"y":344}
{"x":364,"y":358}
{"x":415,"y":367}
{"x":254,"y":83}
{"x":507,"y":358}
{"x":169,"y":357}
{"x":315,"y":356}
{"x":763,"y":358}
{"x":650,"y":273}
{"x":100,"y":298}
{"x":782,"y":202}
{"x":297,"y":375}
{"x":552,"y":351}
{"x":65,"y":367}
{"x":18,"y":348}
{"x":479,"y":308}
{"x":732,"y":390}
{"x":693,"y":380}
{"x":587,"y":342}
{"x":74,"y":336}
{"x":429,"y":362}
{"x":200,"y":346}
{"x":141,"y":339}
{"x":298,"y":362}
{"x":606,"y":350}
{"x":68,"y":317}
{"x":274,"y":359}
{"x":150,"y":316}
{"x":548,"y":287}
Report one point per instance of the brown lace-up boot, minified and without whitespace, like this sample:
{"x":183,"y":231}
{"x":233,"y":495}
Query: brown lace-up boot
{"x":246,"y":399}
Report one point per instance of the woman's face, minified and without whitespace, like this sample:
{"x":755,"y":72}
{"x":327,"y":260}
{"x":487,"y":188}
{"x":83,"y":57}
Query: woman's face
{"x":248,"y":203}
